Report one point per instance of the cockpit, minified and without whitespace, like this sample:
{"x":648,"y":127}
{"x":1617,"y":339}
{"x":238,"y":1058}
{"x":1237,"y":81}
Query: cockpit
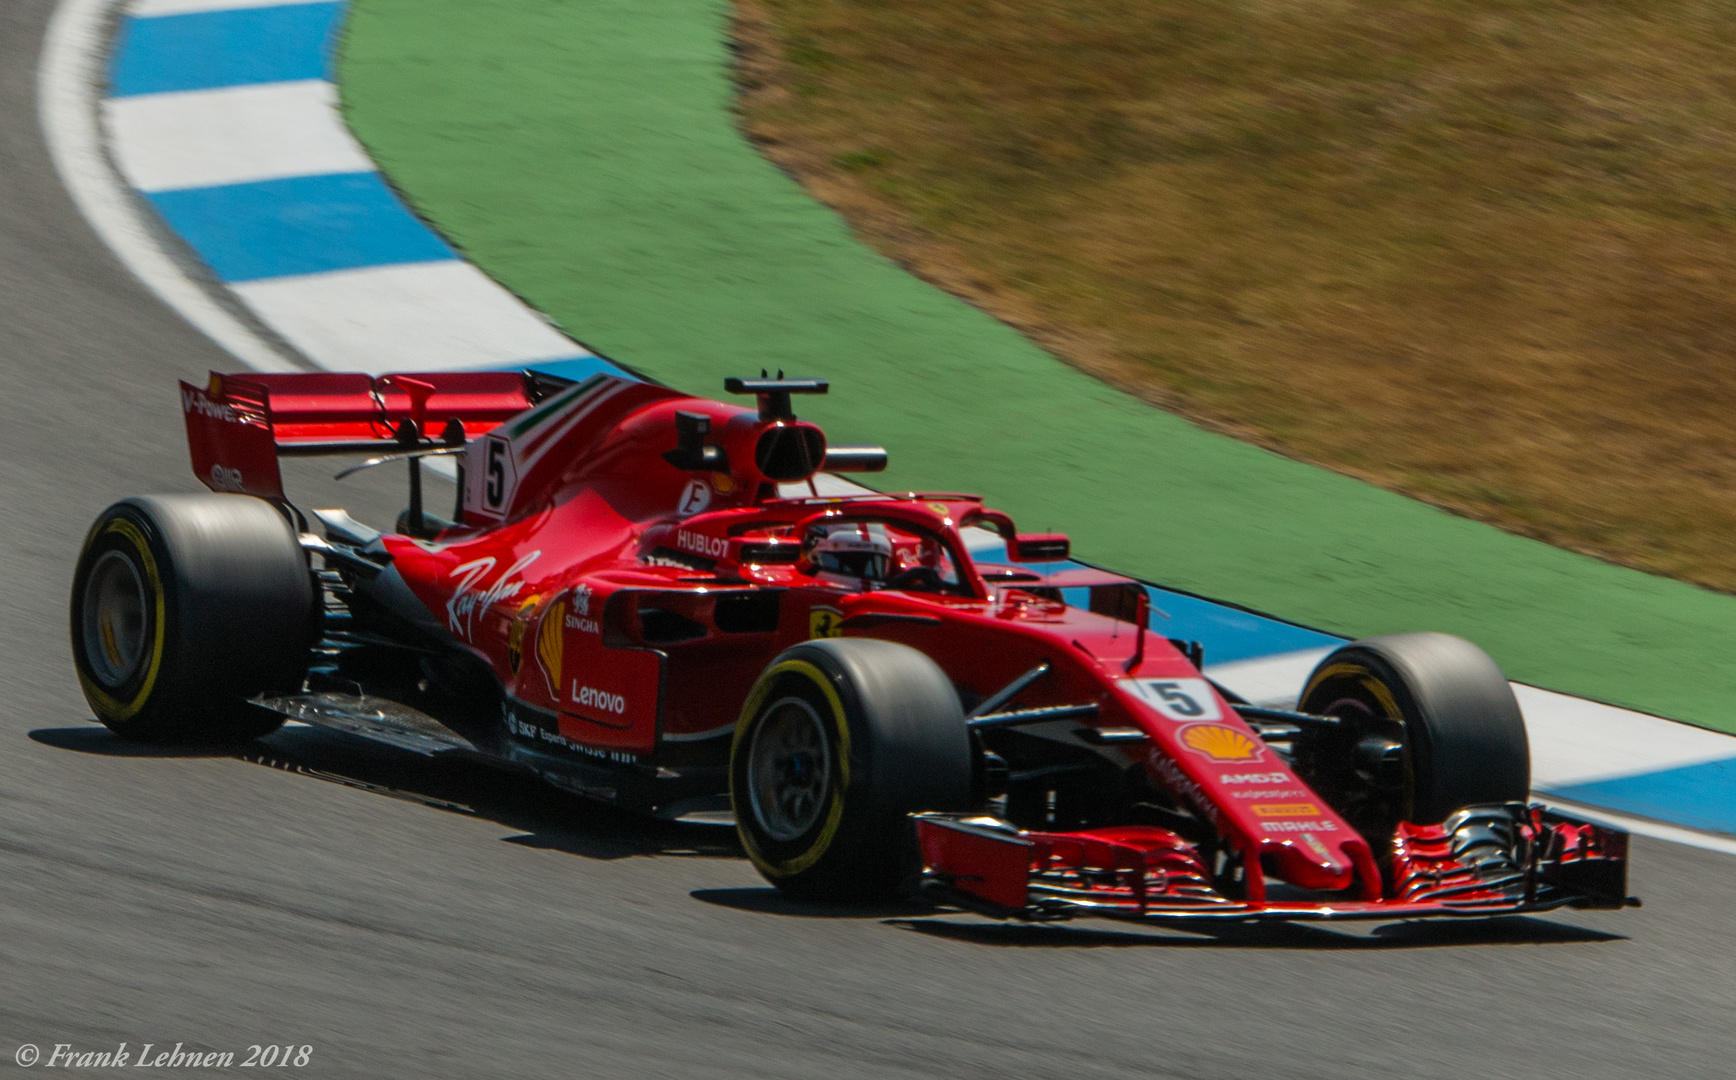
{"x":870,"y":554}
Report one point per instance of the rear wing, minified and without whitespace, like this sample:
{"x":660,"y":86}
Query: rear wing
{"x":239,"y":425}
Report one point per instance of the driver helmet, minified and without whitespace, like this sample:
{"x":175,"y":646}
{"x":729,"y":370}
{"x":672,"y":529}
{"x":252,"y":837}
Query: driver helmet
{"x":862,"y":550}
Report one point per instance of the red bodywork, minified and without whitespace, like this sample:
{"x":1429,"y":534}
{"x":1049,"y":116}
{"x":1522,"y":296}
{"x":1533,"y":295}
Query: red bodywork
{"x":626,"y":606}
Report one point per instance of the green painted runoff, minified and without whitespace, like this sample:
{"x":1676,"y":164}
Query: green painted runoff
{"x":584,"y":153}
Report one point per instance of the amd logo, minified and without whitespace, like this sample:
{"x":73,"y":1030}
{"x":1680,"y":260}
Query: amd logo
{"x":1254,"y":778}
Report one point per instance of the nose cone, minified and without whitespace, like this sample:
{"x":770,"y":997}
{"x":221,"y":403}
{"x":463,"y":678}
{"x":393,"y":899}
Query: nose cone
{"x":1311,"y":862}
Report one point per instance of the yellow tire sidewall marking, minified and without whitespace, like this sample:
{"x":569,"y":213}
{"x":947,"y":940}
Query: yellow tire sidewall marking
{"x":1345,"y":670}
{"x":110,"y":707}
{"x":834,"y":813}
{"x":1383,"y":695}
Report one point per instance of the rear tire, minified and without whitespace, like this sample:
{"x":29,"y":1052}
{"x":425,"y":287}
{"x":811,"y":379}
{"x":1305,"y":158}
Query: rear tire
{"x":1429,"y":726}
{"x":185,"y":606}
{"x":839,"y":741}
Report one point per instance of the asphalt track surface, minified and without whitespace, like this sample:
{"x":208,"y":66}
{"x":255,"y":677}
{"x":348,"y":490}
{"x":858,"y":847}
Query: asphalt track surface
{"x":408,"y":920}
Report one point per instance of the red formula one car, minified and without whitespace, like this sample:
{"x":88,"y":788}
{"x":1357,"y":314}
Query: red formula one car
{"x":645,"y":598}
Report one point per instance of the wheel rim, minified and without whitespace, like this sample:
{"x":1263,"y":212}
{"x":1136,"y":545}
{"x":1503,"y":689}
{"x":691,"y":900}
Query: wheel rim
{"x":789,"y":769}
{"x":114,"y":617}
{"x":1367,"y":792}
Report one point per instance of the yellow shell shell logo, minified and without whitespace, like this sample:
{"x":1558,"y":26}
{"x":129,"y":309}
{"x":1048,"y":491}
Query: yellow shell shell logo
{"x":548,"y":645}
{"x":1220,"y":743}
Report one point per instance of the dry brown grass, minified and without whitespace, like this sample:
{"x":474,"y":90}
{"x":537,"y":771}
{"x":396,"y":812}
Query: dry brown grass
{"x":1481,"y":253}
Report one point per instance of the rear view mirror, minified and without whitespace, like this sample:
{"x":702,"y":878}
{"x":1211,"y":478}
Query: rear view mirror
{"x":855,"y":459}
{"x":692,"y":452}
{"x":1039,"y":547}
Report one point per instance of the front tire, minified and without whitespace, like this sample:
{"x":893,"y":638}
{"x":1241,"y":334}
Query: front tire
{"x":183,"y":607}
{"x":839,"y":741}
{"x":1428,"y":726}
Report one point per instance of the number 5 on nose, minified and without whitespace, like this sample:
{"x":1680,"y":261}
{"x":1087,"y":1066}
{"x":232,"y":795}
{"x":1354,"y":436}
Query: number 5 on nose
{"x":1176,"y":699}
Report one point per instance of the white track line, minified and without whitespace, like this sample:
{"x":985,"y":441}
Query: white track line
{"x":232,"y":135}
{"x":1575,"y":741}
{"x":1676,"y":834}
{"x":148,"y":8}
{"x":430,"y":316}
{"x":1272,"y":681}
{"x":67,"y":91}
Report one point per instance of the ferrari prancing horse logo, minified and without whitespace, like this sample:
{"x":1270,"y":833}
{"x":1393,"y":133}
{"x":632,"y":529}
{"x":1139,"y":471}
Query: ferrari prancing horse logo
{"x":825,"y":622}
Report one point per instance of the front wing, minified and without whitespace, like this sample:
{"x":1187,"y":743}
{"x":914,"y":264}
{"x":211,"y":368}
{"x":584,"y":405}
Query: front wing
{"x":1500,"y":861}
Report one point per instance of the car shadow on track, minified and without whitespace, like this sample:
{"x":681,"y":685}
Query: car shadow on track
{"x":556,"y":821}
{"x":765,"y":900}
{"x":921,"y":917}
{"x":546,"y":818}
{"x":1415,"y":934}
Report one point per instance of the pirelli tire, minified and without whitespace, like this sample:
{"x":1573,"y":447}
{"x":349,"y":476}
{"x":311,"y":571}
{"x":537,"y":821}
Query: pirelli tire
{"x":839,"y":741}
{"x":1429,"y":726}
{"x":185,"y":606}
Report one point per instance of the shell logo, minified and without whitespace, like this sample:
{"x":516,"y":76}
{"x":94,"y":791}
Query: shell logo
{"x":548,"y":646}
{"x":1220,"y":743}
